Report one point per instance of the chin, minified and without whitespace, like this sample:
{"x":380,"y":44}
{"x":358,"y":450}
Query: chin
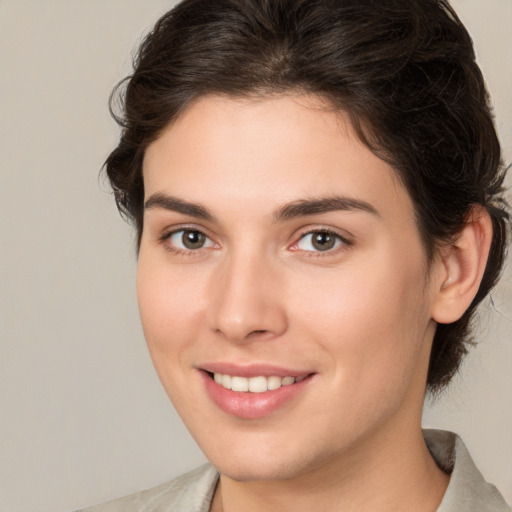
{"x":263,"y":461}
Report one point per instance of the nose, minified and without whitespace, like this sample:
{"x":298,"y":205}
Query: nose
{"x":246,"y":300}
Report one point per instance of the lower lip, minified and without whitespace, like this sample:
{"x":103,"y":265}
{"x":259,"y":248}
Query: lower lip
{"x":251,"y":405}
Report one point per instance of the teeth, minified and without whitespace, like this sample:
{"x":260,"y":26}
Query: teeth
{"x":226,"y":381}
{"x":239,"y":384}
{"x":254,"y":384}
{"x":274,"y":383}
{"x":287,"y":381}
{"x":257,"y":384}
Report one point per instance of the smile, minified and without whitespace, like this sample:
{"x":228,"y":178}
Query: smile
{"x":261,"y":392}
{"x":258,"y":384}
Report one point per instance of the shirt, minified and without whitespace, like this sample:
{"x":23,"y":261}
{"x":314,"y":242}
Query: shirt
{"x":193,"y":492}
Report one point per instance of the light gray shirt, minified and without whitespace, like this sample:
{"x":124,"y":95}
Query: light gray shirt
{"x":193,"y":492}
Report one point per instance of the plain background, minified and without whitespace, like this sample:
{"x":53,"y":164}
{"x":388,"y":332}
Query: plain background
{"x":83,"y":418}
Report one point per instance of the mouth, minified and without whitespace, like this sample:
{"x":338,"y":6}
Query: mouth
{"x":259,"y":393}
{"x":258,"y":384}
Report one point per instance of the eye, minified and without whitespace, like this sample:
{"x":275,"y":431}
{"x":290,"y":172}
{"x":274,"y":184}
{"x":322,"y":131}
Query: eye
{"x":189,"y":240}
{"x":320,"y":241}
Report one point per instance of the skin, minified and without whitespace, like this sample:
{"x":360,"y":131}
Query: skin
{"x":358,"y":318}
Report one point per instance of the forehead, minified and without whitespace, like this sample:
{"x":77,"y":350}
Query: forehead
{"x":296,"y":144}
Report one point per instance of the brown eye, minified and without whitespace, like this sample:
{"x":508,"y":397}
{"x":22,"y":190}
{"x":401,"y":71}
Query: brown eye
{"x":323,"y":241}
{"x":192,"y":239}
{"x":189,"y":239}
{"x":319,"y":241}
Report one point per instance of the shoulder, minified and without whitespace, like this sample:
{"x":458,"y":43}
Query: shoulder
{"x":467,"y":489}
{"x":192,"y":492}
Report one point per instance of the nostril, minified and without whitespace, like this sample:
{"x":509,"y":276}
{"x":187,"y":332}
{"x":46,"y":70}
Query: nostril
{"x":258,"y":334}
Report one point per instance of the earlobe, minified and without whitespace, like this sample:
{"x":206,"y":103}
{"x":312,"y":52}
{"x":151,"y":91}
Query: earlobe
{"x":462,"y":265}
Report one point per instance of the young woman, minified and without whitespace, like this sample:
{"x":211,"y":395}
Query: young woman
{"x":315,"y":186}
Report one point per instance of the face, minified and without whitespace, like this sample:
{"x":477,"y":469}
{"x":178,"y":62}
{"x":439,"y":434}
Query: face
{"x":280,"y":258}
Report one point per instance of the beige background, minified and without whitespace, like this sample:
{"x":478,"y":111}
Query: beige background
{"x":82,"y":416}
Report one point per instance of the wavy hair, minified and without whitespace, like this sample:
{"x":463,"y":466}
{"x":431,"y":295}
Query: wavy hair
{"x":403,"y":70}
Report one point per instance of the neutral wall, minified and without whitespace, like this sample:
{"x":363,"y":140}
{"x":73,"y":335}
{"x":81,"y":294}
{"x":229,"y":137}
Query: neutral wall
{"x":82,"y":416}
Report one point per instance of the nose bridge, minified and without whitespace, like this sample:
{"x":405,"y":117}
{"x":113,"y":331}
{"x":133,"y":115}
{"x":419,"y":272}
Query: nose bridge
{"x":246,"y":299}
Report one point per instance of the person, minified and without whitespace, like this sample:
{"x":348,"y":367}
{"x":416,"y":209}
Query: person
{"x":316,"y":187}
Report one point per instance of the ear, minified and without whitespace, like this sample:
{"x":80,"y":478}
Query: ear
{"x":461,"y":267}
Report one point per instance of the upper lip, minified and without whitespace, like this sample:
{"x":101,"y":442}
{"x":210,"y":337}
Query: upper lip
{"x":252,"y":370}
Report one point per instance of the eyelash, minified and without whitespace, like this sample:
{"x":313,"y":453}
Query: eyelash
{"x":343,"y":242}
{"x":166,"y":237}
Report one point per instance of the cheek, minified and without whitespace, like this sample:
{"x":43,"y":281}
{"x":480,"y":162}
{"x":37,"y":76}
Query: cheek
{"x":371,"y":317}
{"x":170,"y":306}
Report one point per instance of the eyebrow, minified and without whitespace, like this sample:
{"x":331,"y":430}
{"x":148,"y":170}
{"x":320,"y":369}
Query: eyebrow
{"x":295,"y":209}
{"x":307,"y":207}
{"x":178,"y":205}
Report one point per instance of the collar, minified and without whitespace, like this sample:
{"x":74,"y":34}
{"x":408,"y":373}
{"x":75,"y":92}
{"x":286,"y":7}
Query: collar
{"x":467,"y":491}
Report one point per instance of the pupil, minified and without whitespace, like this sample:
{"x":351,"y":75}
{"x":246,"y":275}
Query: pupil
{"x":323,"y":241}
{"x":193,"y":239}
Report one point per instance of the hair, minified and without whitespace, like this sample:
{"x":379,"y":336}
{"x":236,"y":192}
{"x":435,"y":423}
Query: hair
{"x":403,"y":70}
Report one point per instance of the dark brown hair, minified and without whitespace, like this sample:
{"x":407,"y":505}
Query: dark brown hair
{"x":403,"y":70}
